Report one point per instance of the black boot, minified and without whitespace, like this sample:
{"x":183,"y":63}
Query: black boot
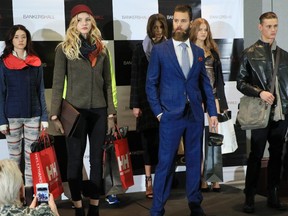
{"x":273,"y":199}
{"x":196,"y":209}
{"x":93,"y":210}
{"x":79,"y":212}
{"x":249,"y":203}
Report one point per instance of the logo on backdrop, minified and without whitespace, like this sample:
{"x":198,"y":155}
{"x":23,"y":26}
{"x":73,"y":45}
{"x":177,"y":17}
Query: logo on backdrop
{"x":44,"y":19}
{"x":130,"y":22}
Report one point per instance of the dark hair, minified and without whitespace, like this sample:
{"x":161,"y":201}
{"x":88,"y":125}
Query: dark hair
{"x":267,"y":15}
{"x":9,"y":38}
{"x":184,"y":9}
{"x":151,"y":22}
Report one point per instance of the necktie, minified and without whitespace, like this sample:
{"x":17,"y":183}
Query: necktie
{"x":185,"y":59}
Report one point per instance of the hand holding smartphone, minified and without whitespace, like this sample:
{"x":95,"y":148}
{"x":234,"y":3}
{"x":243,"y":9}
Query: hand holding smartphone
{"x":42,"y":193}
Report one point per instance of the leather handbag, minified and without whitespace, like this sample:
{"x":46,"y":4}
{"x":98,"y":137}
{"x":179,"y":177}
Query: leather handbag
{"x":69,"y":118}
{"x":215,"y":139}
{"x":254,"y":113}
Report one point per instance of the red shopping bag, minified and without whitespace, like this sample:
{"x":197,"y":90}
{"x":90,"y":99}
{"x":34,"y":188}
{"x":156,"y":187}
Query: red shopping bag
{"x":45,"y":167}
{"x":124,"y":160}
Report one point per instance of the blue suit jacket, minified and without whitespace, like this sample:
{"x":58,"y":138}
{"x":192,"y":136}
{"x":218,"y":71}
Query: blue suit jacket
{"x":167,"y":88}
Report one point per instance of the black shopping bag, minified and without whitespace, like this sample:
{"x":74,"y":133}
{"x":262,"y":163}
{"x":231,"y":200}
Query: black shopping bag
{"x":213,"y":165}
{"x":111,"y":175}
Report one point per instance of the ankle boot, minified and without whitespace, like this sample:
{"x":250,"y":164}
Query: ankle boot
{"x":273,"y":199}
{"x":79,"y":212}
{"x":249,"y":204}
{"x":93,"y":210}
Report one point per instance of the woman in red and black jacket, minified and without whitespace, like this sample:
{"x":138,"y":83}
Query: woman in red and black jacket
{"x":22,"y":102}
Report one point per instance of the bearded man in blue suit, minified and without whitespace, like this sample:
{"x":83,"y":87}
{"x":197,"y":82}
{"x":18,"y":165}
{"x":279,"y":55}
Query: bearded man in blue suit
{"x":176,"y":96}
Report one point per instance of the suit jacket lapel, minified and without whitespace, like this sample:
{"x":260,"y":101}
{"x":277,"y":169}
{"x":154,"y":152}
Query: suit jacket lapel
{"x":195,"y":58}
{"x":173,"y":57}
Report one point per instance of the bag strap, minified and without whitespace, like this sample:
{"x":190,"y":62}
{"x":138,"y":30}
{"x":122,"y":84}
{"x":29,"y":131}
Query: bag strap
{"x":117,"y":132}
{"x":45,"y":138}
{"x":275,"y":70}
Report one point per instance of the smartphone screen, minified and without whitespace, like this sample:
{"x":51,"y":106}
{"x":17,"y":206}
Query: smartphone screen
{"x":42,"y":193}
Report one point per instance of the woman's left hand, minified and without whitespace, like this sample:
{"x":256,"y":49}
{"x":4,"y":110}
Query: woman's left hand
{"x":44,"y":125}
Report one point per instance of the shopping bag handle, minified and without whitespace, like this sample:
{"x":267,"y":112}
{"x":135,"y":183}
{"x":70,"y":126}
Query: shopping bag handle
{"x":45,"y":137}
{"x":117,"y":132}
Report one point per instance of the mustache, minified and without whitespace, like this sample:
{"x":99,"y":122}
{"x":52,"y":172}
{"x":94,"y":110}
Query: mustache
{"x":180,"y":29}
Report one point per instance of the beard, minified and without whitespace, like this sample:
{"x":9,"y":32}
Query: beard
{"x":182,"y":35}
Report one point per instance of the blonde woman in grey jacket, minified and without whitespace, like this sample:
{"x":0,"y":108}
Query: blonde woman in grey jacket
{"x":83,"y":61}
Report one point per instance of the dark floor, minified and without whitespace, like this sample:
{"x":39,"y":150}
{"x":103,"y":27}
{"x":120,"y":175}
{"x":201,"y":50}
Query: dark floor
{"x":226,"y":203}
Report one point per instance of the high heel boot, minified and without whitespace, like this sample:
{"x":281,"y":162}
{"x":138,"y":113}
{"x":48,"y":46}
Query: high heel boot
{"x":273,"y":200}
{"x":149,"y":188}
{"x":93,"y":210}
{"x":79,"y":211}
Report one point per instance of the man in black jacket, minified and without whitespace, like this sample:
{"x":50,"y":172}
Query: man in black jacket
{"x":254,"y":79}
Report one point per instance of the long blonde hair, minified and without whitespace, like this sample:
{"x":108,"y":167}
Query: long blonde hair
{"x":72,"y":43}
{"x":209,"y":41}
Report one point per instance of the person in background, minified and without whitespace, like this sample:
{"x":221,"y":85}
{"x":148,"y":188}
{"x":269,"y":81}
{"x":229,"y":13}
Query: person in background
{"x":113,"y":199}
{"x":146,"y":123}
{"x":22,"y":102}
{"x":177,"y":84}
{"x":12,"y":194}
{"x":254,"y":80}
{"x":84,"y":59}
{"x":201,"y":36}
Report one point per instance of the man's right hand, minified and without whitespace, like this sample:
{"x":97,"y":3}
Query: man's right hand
{"x":267,"y":97}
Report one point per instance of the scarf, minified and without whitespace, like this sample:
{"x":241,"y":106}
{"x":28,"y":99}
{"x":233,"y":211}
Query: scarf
{"x":89,"y":51}
{"x":148,"y":45}
{"x":14,"y":63}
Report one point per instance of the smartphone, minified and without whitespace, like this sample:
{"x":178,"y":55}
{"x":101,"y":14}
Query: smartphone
{"x":42,"y":192}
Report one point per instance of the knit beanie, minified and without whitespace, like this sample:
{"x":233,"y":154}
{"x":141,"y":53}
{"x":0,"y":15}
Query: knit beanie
{"x":79,"y":9}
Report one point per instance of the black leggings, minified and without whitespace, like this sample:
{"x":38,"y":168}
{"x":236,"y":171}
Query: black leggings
{"x":150,"y":144}
{"x":92,"y":123}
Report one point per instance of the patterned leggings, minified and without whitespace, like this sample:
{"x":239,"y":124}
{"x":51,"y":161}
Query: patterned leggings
{"x":23,"y":131}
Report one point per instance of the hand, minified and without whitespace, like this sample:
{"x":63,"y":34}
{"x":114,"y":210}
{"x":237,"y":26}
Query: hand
{"x":267,"y":97}
{"x":4,"y":129}
{"x":44,"y":125}
{"x":214,"y":121}
{"x":137,"y":112}
{"x":33,"y":203}
{"x":110,"y":125}
{"x":52,"y":205}
{"x":58,"y":125}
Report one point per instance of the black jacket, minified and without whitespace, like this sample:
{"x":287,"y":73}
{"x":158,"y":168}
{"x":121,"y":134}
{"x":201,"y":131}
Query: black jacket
{"x":138,"y":97}
{"x":219,"y":81}
{"x":256,"y":72}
